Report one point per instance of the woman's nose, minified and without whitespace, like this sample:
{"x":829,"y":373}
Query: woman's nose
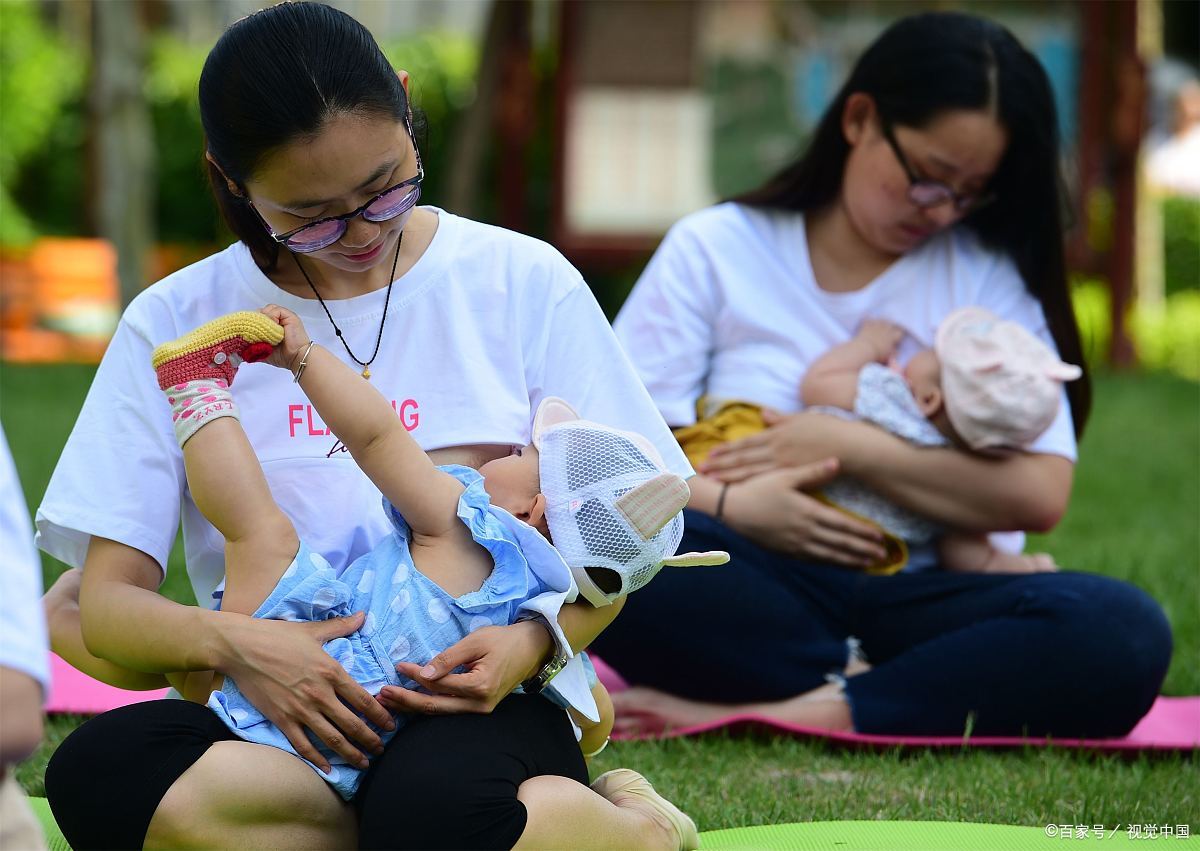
{"x":360,"y":233}
{"x":942,"y":216}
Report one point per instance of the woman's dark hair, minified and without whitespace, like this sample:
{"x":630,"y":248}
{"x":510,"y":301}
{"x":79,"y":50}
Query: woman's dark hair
{"x":276,"y":77}
{"x":923,"y":66}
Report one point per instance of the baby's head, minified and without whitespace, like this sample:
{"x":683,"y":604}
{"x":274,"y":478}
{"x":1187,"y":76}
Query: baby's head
{"x":602,"y":496}
{"x":514,"y":483}
{"x":988,"y":383}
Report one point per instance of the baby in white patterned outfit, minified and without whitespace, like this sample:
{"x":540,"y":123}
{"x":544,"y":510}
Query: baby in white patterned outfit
{"x":986,"y":386}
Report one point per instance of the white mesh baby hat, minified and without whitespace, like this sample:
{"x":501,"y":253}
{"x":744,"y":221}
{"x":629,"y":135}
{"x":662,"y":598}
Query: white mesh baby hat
{"x":611,"y":505}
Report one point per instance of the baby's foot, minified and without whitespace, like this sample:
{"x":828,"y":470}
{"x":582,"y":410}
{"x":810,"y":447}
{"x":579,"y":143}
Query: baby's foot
{"x":629,"y":790}
{"x":1021,"y":563}
{"x":216,"y":349}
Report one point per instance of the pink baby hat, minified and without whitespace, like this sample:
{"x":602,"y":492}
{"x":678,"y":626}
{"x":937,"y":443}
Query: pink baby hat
{"x":1001,"y":384}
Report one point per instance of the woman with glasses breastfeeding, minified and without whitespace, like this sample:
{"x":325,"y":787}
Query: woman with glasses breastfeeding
{"x":930,"y":185}
{"x":464,"y":328}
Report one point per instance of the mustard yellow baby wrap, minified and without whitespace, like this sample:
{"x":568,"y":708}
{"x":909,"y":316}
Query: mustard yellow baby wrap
{"x":718,"y":423}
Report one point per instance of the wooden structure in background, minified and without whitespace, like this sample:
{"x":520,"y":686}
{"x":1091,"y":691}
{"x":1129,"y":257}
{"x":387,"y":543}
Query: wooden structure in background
{"x":644,"y":58}
{"x":1111,"y":115}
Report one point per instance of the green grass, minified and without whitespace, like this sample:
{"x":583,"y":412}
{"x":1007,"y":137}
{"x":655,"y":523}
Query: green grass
{"x":1135,"y":515}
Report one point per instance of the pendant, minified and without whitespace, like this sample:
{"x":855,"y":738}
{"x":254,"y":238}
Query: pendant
{"x":366,"y":373}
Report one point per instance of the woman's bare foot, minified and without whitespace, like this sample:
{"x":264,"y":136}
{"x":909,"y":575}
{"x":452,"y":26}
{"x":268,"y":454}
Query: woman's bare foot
{"x":629,"y":790}
{"x":643,"y":710}
{"x":856,"y":666}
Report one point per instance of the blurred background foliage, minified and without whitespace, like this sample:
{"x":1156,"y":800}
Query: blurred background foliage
{"x":43,"y":159}
{"x":41,"y":83}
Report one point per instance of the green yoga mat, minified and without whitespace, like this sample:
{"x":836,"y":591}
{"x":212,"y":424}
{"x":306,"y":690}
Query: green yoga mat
{"x":899,"y":836}
{"x":54,"y":837}
{"x":826,"y":835}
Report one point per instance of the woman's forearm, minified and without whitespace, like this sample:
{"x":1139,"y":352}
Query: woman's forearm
{"x":66,"y":639}
{"x":706,"y":493}
{"x":970,"y":492}
{"x":125,"y":621}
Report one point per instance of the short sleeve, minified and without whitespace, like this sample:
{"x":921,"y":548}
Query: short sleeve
{"x":120,"y":475}
{"x":667,"y":325}
{"x":23,"y":642}
{"x":583,"y":363}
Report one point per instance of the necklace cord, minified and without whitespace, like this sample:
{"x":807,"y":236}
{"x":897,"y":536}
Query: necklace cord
{"x":386,"y":300}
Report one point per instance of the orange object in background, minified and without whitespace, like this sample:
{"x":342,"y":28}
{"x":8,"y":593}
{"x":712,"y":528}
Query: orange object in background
{"x":60,"y":301}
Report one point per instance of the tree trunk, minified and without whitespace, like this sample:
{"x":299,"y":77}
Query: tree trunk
{"x":122,"y":140}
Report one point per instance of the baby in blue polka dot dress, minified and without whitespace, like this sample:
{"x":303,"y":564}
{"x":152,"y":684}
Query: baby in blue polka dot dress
{"x":469,"y":549}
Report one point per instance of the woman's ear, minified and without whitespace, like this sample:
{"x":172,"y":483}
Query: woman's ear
{"x":930,"y":402}
{"x":856,"y":116}
{"x":403,"y":75}
{"x":233,"y":188}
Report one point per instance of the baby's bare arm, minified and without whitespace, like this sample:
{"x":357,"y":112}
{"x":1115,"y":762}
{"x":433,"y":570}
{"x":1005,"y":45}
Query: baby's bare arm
{"x":833,"y":378}
{"x":368,"y":427}
{"x":370,"y":430}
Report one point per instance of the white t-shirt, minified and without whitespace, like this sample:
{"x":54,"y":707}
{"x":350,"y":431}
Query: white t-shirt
{"x":729,"y":307}
{"x":484,"y":325}
{"x":23,"y":643}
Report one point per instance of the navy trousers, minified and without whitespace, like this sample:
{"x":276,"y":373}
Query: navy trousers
{"x":1062,"y":654}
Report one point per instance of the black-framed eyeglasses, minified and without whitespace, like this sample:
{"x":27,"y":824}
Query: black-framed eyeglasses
{"x":926,"y":193}
{"x":387,"y":205}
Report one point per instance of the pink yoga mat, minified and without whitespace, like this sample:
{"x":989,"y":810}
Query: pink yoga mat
{"x":76,"y":692}
{"x":1173,"y":724}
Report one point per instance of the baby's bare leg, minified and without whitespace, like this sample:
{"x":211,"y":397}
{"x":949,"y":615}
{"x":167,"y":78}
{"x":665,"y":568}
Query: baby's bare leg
{"x":195,"y":373}
{"x":596,"y":733}
{"x":229,"y":488}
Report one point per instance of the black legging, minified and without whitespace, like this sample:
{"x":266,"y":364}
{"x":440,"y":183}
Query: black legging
{"x":1063,"y":654}
{"x":442,"y":782}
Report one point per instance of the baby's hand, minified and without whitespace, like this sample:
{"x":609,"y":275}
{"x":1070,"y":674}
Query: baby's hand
{"x":295,"y":338}
{"x":882,"y":336}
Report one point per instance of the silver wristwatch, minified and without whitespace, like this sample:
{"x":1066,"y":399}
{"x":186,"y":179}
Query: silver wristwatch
{"x":554,"y":664}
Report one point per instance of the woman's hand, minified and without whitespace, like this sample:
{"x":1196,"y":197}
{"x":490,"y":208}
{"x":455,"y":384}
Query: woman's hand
{"x":283,"y":670}
{"x":497,"y":659}
{"x":295,"y":338}
{"x":789,"y":441}
{"x":773,"y":510}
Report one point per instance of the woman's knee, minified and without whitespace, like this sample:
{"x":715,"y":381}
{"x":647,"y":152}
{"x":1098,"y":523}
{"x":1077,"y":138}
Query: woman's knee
{"x":106,"y":780}
{"x":1113,"y":630}
{"x":221,"y":801}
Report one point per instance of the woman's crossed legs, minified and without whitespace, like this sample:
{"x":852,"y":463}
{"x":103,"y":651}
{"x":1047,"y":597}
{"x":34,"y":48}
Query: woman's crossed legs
{"x":1067,"y":654}
{"x":169,"y":774}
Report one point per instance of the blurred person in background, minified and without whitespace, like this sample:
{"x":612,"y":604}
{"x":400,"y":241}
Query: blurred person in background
{"x":24,"y":657}
{"x":931,"y":184}
{"x":1173,"y":165}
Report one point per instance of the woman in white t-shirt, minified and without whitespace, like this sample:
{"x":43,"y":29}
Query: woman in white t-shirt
{"x":930,"y":184}
{"x":464,"y":328}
